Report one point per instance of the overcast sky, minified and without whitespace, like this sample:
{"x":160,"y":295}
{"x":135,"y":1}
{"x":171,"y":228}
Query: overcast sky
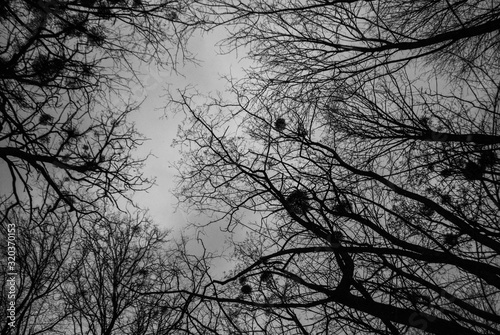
{"x":151,"y":121}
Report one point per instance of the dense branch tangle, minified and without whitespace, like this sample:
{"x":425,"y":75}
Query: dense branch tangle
{"x":69,"y":78}
{"x":319,"y":45}
{"x":367,"y":237}
{"x":366,"y":141}
{"x":87,"y":272}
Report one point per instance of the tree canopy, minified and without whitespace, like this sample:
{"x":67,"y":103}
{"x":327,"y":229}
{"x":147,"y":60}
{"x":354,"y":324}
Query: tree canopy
{"x":77,"y":255}
{"x":361,"y":156}
{"x":70,"y":75}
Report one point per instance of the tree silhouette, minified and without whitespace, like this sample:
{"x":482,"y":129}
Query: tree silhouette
{"x":90,"y":273}
{"x":70,"y":75}
{"x":376,"y":242}
{"x":300,"y":40}
{"x":41,"y":260}
{"x":121,"y":258}
{"x":376,"y":207}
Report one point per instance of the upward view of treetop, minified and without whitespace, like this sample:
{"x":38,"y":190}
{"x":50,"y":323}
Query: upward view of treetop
{"x":80,"y":251}
{"x":316,"y":41}
{"x":69,"y":76}
{"x":361,"y":156}
{"x":354,"y":168}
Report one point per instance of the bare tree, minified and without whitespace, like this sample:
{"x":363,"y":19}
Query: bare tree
{"x":70,"y":74}
{"x":91,"y":274}
{"x":121,"y":258}
{"x":37,"y":258}
{"x":361,"y":247}
{"x":362,"y":155}
{"x":69,"y":78}
{"x":306,"y":42}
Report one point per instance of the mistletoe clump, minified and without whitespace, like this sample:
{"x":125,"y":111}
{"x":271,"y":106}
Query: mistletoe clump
{"x":298,"y":202}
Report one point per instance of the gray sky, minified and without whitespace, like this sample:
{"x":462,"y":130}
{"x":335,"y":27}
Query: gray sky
{"x":161,"y":129}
